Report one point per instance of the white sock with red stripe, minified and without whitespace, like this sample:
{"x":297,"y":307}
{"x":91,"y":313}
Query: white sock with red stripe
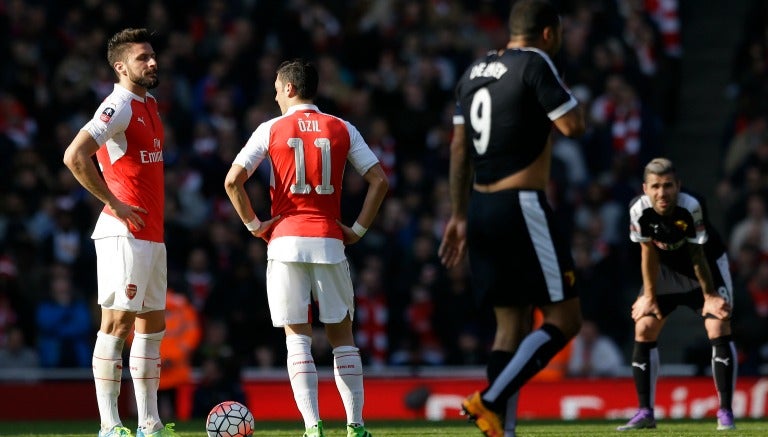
{"x":145,"y":370}
{"x":303,"y":375}
{"x":107,"y":366}
{"x":348,"y":371}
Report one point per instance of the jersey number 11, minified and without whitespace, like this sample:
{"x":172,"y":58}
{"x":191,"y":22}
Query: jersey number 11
{"x":301,"y":186}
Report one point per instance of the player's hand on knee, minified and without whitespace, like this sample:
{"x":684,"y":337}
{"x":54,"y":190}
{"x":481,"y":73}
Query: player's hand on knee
{"x":645,"y":306}
{"x":716,"y":306}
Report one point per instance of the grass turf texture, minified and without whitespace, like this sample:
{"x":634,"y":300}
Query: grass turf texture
{"x":453,"y":428}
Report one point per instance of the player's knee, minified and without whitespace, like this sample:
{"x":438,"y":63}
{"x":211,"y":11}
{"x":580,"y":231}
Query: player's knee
{"x":116,"y":329}
{"x":647,"y":329}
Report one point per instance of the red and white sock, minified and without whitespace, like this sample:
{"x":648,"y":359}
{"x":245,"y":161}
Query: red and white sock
{"x":107,"y":366}
{"x":145,"y":370}
{"x":303,"y":375}
{"x":348,"y":372}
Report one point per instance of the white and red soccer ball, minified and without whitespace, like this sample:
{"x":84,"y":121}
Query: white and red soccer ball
{"x":230,"y":419}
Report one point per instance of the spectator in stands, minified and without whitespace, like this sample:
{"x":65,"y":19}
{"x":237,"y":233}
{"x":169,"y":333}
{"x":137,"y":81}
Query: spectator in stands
{"x":8,"y":314}
{"x":64,"y":324}
{"x":199,"y":278}
{"x":67,"y":244}
{"x":215,"y":346}
{"x":182,"y":335}
{"x":216,"y":385}
{"x":371,"y":314}
{"x":597,"y":206}
{"x":16,"y":354}
{"x":629,"y":127}
{"x":751,"y":325}
{"x":753,"y":228}
{"x":594,"y":354}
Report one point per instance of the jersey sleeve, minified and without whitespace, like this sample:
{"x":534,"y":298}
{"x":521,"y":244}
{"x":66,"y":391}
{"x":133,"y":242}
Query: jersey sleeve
{"x":255,"y":149}
{"x":635,"y":229}
{"x":553,"y":95}
{"x":698,"y":235}
{"x":111,"y":118}
{"x":458,"y":115}
{"x":360,"y":155}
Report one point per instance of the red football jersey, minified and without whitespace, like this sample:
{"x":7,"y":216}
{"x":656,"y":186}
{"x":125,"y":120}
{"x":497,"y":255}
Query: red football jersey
{"x":308,"y":150}
{"x":131,"y":135}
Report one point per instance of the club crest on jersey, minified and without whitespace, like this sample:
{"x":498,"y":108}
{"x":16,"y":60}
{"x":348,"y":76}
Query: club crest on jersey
{"x":682,"y":225}
{"x":107,"y":114}
{"x":130,"y":290}
{"x":570,"y":277}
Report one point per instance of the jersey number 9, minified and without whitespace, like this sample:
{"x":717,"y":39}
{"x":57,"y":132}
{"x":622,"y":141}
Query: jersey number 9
{"x":480,"y":118}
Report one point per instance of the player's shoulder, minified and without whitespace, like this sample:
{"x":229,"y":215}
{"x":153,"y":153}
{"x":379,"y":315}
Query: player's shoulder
{"x":639,"y":204}
{"x":335,"y":119}
{"x":116,"y":107}
{"x":689,"y":201}
{"x":119,"y":100}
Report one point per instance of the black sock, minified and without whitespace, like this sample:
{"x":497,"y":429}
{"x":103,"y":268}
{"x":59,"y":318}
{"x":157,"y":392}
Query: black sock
{"x":724,"y":368}
{"x":497,"y":361}
{"x":643,"y":372}
{"x":536,"y":350}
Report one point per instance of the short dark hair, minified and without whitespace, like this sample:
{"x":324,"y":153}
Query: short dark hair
{"x":120,"y":41}
{"x":528,"y":18}
{"x":302,"y":74}
{"x":659,"y":167}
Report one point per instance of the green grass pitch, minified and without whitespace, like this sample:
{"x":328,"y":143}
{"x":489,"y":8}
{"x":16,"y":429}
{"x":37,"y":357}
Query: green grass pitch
{"x":453,"y":428}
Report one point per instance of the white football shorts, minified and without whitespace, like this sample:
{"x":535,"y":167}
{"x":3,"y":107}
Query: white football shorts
{"x":291,"y":285}
{"x":132,"y":274}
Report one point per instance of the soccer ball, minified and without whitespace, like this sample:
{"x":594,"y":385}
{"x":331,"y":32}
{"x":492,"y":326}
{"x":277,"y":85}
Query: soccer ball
{"x":230,"y":419}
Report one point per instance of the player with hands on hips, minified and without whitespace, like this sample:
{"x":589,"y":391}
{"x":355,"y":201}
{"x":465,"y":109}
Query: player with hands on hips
{"x":308,"y":151}
{"x":126,"y":135}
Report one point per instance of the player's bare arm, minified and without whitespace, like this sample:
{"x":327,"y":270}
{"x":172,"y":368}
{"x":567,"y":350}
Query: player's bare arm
{"x":714,"y":304}
{"x":646,"y":304}
{"x":572,"y":123}
{"x":234,"y":184}
{"x":453,"y":248}
{"x":378,"y":185}
{"x":78,"y":158}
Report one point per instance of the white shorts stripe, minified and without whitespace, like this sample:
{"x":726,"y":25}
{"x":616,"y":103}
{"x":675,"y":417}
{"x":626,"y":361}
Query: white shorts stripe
{"x":536,"y":221}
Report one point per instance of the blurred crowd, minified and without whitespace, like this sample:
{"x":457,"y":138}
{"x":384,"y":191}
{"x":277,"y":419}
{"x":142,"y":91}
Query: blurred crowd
{"x":389,"y":67}
{"x":742,"y":189}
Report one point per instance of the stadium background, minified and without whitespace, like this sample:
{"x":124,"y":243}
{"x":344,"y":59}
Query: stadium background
{"x":696,"y":93}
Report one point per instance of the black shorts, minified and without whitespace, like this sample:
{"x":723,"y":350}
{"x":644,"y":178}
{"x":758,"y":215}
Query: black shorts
{"x":693,"y":299}
{"x":675,"y":289}
{"x":517,"y":256}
